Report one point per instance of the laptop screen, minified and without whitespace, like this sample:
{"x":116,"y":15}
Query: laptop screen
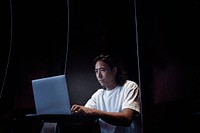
{"x":51,"y":95}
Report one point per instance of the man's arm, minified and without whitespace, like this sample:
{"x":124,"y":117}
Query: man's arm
{"x":123,"y":118}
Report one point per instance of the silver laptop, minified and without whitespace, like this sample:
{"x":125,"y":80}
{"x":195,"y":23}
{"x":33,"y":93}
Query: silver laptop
{"x":51,"y":95}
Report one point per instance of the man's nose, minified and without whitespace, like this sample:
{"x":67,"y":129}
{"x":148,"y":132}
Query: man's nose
{"x":99,"y":75}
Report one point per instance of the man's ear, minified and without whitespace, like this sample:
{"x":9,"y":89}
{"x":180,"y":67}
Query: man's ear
{"x":115,"y":70}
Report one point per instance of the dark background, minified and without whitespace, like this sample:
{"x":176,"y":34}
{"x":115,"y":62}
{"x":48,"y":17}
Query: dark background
{"x":34,"y":44}
{"x":169,"y":65}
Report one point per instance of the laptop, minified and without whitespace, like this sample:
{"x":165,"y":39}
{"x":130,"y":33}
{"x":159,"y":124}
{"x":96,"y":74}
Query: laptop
{"x":52,"y":101}
{"x":51,"y":95}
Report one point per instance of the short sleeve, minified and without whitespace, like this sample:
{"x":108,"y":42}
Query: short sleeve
{"x":92,"y":102}
{"x":131,"y":96}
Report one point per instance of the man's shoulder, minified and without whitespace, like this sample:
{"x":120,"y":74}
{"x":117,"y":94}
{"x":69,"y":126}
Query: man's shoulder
{"x":130,"y":84}
{"x":100,"y":90}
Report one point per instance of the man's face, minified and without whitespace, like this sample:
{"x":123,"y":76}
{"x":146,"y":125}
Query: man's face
{"x":104,"y":74}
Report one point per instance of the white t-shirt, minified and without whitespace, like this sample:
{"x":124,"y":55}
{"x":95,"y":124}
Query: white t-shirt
{"x":115,"y":100}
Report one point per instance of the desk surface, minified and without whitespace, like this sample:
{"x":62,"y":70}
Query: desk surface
{"x":66,"y":123}
{"x":62,"y":118}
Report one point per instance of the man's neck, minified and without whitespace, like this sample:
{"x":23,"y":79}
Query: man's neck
{"x":111,"y":86}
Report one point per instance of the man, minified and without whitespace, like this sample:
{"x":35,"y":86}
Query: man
{"x":117,"y":103}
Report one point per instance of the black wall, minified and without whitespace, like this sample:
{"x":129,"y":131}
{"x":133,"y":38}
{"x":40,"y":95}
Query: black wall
{"x":169,"y":52}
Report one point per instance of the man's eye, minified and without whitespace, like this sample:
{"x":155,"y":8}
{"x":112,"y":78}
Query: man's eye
{"x":102,"y":69}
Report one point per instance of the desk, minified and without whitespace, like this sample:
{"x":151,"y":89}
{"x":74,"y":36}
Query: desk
{"x":65,"y":123}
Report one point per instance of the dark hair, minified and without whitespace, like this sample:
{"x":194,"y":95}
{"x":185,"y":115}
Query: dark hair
{"x":121,"y":75}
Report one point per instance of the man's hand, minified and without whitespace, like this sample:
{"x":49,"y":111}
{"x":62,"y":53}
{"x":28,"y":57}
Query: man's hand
{"x":78,"y":109}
